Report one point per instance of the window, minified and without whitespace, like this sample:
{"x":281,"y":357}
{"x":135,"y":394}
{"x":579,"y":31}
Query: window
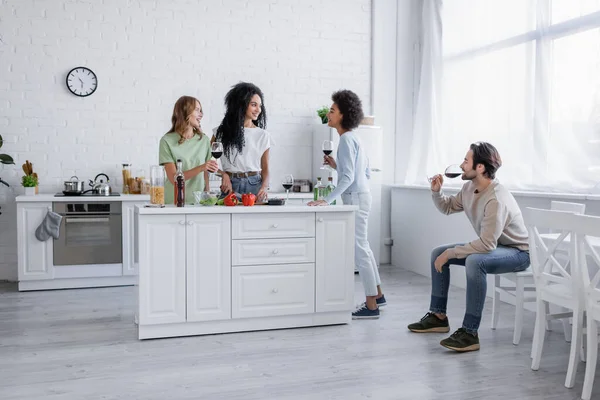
{"x":523,"y":75}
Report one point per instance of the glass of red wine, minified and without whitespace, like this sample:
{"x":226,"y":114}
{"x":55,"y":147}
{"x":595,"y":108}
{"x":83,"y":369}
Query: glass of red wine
{"x":288,"y":182}
{"x":327,"y":150}
{"x":453,"y":171}
{"x":216,"y":149}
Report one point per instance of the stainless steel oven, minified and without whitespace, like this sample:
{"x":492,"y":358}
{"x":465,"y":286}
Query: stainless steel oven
{"x":90,"y":233}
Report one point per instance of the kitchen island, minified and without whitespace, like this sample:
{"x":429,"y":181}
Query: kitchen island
{"x":206,"y":270}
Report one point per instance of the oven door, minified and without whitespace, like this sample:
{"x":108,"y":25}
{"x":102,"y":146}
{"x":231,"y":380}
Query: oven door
{"x":90,"y":233}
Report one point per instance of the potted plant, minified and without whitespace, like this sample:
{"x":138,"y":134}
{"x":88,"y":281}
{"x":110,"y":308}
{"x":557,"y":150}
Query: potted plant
{"x":29,"y":182}
{"x":30,"y":179}
{"x":5,"y":159}
{"x":322,"y":112}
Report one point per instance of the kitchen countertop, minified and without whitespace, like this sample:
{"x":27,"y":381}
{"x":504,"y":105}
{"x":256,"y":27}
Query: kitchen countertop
{"x":256,"y":209}
{"x":49,"y":197}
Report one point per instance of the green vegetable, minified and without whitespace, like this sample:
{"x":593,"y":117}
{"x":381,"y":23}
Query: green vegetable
{"x":211,"y":201}
{"x":221,"y":202}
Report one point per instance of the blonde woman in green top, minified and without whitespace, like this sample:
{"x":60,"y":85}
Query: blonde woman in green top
{"x":185,"y":141}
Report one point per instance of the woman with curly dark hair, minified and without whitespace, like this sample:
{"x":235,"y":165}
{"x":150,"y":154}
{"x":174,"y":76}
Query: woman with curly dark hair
{"x":246,"y":143}
{"x":352,"y":167}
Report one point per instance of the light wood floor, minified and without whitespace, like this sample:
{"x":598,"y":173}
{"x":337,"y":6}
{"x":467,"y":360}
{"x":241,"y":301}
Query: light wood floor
{"x":80,"y":344}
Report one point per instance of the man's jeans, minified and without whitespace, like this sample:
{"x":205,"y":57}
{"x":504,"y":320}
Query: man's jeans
{"x":499,"y":261}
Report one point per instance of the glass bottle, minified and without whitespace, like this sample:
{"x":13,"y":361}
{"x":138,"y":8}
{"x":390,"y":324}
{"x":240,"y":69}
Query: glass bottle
{"x":318,"y":191}
{"x":330,"y":188}
{"x":179,"y":185}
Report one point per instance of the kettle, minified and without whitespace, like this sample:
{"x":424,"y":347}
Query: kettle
{"x":100,"y":187}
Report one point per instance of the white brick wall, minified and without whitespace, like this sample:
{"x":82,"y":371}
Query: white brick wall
{"x":148,"y":53}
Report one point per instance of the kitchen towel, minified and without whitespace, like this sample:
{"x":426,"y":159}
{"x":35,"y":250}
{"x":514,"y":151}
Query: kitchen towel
{"x":50,"y":226}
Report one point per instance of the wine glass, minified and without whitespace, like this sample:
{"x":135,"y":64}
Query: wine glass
{"x":327,"y":149}
{"x":452,"y":171}
{"x":216,"y":149}
{"x":288,"y":182}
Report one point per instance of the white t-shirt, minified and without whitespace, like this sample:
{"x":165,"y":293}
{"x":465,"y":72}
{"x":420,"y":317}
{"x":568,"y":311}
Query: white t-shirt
{"x":257,"y":141}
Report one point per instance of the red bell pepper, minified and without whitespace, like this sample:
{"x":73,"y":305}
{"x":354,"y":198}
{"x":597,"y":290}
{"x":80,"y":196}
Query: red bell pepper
{"x":231,"y":200}
{"x":248,"y":199}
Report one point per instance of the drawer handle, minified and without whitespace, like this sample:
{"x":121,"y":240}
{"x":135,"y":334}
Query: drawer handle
{"x":320,"y":219}
{"x":181,"y":222}
{"x":275,"y":225}
{"x":275,"y":251}
{"x":275,"y":290}
{"x":191,"y":223}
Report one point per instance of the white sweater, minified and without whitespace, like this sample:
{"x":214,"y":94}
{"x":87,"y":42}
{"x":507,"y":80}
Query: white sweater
{"x":494,"y":214}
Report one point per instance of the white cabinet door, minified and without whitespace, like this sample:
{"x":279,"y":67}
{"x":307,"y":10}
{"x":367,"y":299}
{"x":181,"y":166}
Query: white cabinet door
{"x":266,"y":291}
{"x":129,"y":240}
{"x":34,"y":257}
{"x":334,"y":261}
{"x":208,"y":267}
{"x":162,"y":257}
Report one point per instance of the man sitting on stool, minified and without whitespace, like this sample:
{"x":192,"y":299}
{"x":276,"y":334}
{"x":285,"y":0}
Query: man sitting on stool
{"x":501,"y":247}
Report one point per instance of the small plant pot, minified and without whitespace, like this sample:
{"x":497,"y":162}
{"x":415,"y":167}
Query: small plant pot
{"x":30,"y":191}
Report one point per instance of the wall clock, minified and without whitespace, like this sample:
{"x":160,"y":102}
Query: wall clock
{"x":82,"y":81}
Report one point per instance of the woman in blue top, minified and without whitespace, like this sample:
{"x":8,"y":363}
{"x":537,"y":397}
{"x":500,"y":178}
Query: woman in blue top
{"x":352,"y":167}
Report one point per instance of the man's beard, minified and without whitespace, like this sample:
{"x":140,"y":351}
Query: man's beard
{"x":464,"y":176}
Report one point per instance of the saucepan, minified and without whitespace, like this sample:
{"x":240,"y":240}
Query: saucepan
{"x":73,"y":186}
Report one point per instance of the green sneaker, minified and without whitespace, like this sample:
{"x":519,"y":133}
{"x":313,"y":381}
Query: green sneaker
{"x":461,"y":341}
{"x":430,"y":323}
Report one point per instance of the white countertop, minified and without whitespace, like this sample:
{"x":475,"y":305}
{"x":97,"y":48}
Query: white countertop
{"x":240,"y":209}
{"x":49,"y":198}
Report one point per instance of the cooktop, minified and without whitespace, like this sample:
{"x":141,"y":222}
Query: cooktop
{"x":89,"y":194}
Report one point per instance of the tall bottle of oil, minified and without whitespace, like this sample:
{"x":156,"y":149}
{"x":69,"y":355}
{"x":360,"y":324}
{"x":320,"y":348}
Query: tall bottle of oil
{"x":179,"y":185}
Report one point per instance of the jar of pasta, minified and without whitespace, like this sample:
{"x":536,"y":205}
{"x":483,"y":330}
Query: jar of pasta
{"x":157,"y":185}
{"x":126,"y":178}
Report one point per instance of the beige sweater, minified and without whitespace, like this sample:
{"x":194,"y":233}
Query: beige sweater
{"x":494,"y":214}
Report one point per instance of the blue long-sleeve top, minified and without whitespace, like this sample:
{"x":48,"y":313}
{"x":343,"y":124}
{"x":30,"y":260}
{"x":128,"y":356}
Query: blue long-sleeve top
{"x":352,"y":167}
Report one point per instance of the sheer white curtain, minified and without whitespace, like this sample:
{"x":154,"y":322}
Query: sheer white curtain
{"x":523,"y":75}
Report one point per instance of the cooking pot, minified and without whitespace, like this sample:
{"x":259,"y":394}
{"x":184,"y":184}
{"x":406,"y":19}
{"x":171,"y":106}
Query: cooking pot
{"x":73,"y":186}
{"x":101,"y":188}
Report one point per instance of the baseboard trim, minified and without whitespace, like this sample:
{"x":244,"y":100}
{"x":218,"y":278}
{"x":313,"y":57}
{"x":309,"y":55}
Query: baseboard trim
{"x":76,"y":283}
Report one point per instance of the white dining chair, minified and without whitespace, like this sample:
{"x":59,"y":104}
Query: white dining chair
{"x":557,"y":281}
{"x":576,"y":208}
{"x":586,"y":235}
{"x":520,"y":285}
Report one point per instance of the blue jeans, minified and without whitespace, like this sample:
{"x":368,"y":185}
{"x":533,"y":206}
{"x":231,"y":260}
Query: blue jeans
{"x":250,"y":184}
{"x":499,"y":261}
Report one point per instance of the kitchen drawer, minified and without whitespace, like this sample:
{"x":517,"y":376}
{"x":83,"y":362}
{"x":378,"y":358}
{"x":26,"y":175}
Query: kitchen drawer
{"x":272,"y":251}
{"x":277,"y":225}
{"x":265,"y":291}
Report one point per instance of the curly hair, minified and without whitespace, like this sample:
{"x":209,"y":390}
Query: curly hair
{"x":231,"y":130}
{"x":350,"y":107}
{"x":486,"y":154}
{"x":184,"y":107}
